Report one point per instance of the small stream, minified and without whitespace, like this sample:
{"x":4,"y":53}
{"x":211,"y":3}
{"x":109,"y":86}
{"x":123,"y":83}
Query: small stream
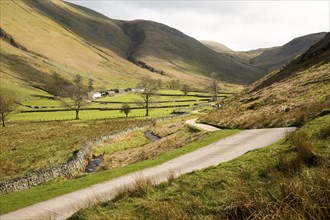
{"x":151,"y":136}
{"x":96,"y":161}
{"x":93,"y":164}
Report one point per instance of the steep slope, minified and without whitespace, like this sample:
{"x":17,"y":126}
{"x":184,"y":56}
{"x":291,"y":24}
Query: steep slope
{"x":33,"y":46}
{"x":68,"y":39}
{"x":245,"y":56}
{"x":269,"y":59}
{"x":277,"y":57}
{"x":288,"y":97}
{"x":316,"y":54}
{"x":89,"y":25}
{"x":170,"y":50}
{"x":217,"y":47}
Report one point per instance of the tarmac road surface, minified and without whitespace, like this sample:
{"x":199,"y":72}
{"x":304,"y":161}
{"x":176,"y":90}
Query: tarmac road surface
{"x":221,"y":151}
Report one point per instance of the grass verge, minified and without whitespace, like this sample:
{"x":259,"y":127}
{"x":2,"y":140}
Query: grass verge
{"x":287,"y":180}
{"x":16,"y":200}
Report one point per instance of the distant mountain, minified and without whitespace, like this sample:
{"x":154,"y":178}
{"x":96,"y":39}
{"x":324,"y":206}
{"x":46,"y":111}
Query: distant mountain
{"x":318,"y":54}
{"x":40,"y":37}
{"x":170,"y":50}
{"x":269,"y":59}
{"x":275,"y":58}
{"x":217,"y":47}
{"x":286,"y":97}
{"x":245,"y":56}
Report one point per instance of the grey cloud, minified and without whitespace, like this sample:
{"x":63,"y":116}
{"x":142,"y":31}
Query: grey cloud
{"x":241,"y":25}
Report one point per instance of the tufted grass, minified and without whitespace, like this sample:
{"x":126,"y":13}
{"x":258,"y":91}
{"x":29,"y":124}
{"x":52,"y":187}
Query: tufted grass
{"x":253,"y":186}
{"x":30,"y":146}
{"x":16,"y":200}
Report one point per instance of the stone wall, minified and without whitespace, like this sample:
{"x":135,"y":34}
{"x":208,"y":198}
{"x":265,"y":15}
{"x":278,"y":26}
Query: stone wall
{"x":71,"y":168}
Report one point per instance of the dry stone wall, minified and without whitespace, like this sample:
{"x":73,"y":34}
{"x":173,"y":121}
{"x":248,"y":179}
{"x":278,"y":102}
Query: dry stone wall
{"x":71,"y":168}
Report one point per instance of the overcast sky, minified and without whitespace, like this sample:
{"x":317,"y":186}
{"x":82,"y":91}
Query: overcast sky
{"x":240,"y":25}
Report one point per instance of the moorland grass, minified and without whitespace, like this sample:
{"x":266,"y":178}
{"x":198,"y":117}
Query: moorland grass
{"x":16,"y":200}
{"x":253,"y":186}
{"x":30,"y":146}
{"x":132,"y":140}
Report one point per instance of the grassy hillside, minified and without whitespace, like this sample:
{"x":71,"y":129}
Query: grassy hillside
{"x":237,"y":56}
{"x":269,"y":59}
{"x":33,"y":146}
{"x":245,"y":56}
{"x":74,"y":53}
{"x":15,"y":200}
{"x":72,"y":40}
{"x":277,"y":57}
{"x":317,"y":54}
{"x":217,"y":47}
{"x":92,"y":27}
{"x":68,"y":39}
{"x":175,"y":53}
{"x":288,"y":180}
{"x":288,"y":97}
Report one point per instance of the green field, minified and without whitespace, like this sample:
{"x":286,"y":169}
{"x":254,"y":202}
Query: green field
{"x":87,"y":115}
{"x":30,"y":146}
{"x":134,"y":97}
{"x":37,"y":105}
{"x":16,"y":200}
{"x":25,"y":92}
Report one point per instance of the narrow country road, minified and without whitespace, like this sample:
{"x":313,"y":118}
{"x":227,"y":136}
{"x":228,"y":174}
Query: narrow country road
{"x":221,"y":151}
{"x":201,"y":126}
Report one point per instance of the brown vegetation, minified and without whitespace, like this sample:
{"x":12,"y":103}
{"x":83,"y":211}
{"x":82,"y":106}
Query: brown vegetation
{"x":298,"y":192}
{"x":132,"y":155}
{"x":291,"y":102}
{"x":288,"y":180}
{"x":8,"y":103}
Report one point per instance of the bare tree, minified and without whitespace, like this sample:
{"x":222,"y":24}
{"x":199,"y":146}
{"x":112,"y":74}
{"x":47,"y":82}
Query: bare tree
{"x":8,"y":103}
{"x":56,"y":85}
{"x":126,"y":109}
{"x":149,"y":88}
{"x":77,"y":95}
{"x":90,"y":85}
{"x":214,"y":87}
{"x":185,"y":89}
{"x":174,"y":84}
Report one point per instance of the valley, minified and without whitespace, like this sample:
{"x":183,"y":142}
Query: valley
{"x":107,"y":118}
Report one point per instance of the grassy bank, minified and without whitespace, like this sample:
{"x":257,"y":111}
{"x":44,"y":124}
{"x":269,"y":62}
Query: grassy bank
{"x":31,"y":146}
{"x":287,"y":180}
{"x":16,"y":200}
{"x":292,"y":102}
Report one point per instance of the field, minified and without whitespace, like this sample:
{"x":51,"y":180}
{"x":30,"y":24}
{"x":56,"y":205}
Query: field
{"x":136,"y":147}
{"x":36,"y":140}
{"x":37,"y":105}
{"x":30,"y":146}
{"x":16,"y":200}
{"x":87,"y":115}
{"x":288,"y":180}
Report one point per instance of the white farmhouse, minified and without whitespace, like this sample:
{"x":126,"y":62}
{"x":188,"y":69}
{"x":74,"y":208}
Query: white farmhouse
{"x":96,"y":95}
